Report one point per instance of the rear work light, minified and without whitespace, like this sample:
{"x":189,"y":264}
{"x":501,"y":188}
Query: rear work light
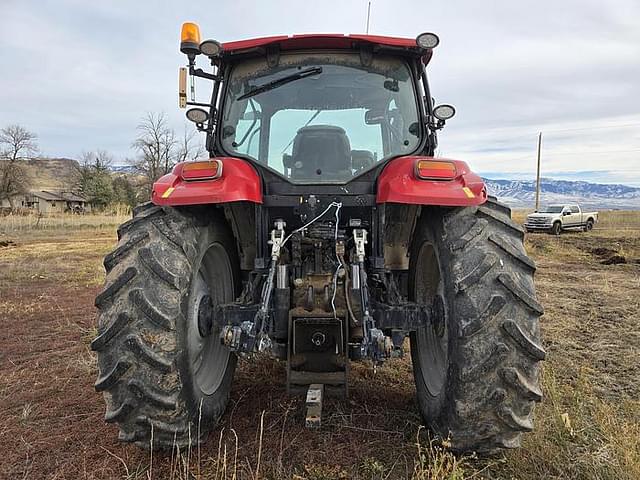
{"x":435,"y":170}
{"x":201,"y":170}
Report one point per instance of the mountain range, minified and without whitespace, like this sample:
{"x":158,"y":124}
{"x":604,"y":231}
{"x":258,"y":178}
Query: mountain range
{"x":522,"y":193}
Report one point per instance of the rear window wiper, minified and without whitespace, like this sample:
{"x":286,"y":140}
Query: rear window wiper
{"x":281,"y":81}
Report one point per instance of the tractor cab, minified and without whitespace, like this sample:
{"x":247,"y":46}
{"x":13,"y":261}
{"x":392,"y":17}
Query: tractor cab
{"x":316,"y":108}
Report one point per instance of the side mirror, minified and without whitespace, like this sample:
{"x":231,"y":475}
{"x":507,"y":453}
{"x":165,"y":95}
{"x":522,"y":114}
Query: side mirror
{"x":566,"y":213}
{"x":373,"y":117}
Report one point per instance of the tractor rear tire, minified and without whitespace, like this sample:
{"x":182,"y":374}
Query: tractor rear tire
{"x":476,"y":366}
{"x":166,"y":379}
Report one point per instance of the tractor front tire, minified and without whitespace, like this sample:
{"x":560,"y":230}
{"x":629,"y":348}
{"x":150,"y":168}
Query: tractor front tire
{"x":166,"y":379}
{"x":476,"y":365}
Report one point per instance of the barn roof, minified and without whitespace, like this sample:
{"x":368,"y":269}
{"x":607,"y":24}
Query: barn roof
{"x":58,"y":196}
{"x":46,"y":196}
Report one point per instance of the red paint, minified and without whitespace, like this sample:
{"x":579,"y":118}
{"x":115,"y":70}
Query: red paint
{"x":398,"y":184}
{"x":239,"y":182}
{"x":320,"y":40}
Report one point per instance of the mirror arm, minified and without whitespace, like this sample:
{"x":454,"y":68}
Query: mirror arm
{"x":436,"y":124}
{"x":198,"y":72}
{"x":199,"y":104}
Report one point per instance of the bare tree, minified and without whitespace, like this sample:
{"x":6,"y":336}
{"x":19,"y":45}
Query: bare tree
{"x":156,"y":145}
{"x":16,"y":143}
{"x":159,"y":149}
{"x":189,"y":148}
{"x":100,"y":160}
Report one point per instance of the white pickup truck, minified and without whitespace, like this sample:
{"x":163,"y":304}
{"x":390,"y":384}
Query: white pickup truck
{"x":556,"y":218}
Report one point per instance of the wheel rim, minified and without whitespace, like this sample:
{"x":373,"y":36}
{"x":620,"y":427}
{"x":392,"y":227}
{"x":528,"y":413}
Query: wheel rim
{"x":431,"y":341}
{"x":213,"y":283}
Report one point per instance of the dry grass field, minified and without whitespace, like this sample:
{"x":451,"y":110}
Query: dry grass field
{"x":51,"y":426}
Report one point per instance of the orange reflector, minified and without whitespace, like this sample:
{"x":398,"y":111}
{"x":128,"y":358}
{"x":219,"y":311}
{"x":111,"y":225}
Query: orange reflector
{"x":435,"y":170}
{"x":202,"y":170}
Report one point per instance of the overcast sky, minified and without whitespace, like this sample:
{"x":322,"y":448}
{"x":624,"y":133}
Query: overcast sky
{"x":81,"y":73}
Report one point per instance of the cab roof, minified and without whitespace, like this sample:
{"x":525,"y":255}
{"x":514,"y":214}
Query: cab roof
{"x":325,"y":41}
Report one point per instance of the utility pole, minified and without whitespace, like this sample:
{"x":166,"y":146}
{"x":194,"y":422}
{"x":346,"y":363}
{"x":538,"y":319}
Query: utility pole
{"x":368,"y":16}
{"x":538,"y":172}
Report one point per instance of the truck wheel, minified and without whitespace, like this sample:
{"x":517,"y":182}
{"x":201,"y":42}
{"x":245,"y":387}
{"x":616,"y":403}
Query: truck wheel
{"x":556,"y":228}
{"x":166,"y":380}
{"x":589,"y":226}
{"x":476,"y":365}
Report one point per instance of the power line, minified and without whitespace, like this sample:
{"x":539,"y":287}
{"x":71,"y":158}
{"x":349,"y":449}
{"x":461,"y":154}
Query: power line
{"x":500,"y":135}
{"x":592,"y":128}
{"x":597,"y":152}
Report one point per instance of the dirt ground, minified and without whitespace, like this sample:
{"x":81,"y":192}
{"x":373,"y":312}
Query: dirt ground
{"x":51,"y":419}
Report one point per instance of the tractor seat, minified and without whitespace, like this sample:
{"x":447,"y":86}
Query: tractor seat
{"x":362,"y":159}
{"x":320,"y":152}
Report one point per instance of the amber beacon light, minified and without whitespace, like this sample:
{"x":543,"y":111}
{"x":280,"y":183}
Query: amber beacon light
{"x":190,"y":39}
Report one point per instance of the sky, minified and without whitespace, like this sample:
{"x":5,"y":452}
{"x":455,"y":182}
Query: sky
{"x":81,"y":74}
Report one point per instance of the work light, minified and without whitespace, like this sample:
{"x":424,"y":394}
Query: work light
{"x":211,"y":48}
{"x":197,"y":115}
{"x":427,"y":40}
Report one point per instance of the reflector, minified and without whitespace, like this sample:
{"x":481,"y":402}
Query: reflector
{"x":435,"y":170}
{"x":202,"y":170}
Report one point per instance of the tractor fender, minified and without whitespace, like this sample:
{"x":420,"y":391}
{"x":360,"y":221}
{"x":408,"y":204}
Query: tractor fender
{"x":239,"y":182}
{"x":398,"y":183}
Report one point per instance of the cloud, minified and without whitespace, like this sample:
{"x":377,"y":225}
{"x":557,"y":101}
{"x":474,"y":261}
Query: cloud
{"x":81,"y":74}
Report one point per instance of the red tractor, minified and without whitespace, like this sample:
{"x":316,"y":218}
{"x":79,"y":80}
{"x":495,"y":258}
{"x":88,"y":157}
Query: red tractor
{"x":321,"y":230}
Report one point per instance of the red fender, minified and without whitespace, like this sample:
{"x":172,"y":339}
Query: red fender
{"x":398,"y":183}
{"x":239,"y":182}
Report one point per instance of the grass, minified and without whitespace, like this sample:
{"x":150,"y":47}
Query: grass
{"x":32,"y":224}
{"x":587,"y":427}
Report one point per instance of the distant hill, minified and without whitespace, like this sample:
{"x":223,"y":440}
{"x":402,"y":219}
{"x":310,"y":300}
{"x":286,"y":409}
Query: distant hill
{"x":522,"y":193}
{"x":50,"y":173}
{"x":123,"y":169}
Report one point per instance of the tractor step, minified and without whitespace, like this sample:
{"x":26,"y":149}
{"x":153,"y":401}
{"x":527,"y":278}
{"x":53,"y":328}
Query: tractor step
{"x":313,"y":418}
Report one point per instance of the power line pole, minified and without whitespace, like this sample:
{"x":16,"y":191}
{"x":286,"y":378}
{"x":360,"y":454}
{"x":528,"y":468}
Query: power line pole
{"x":538,"y":172}
{"x":368,"y":16}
